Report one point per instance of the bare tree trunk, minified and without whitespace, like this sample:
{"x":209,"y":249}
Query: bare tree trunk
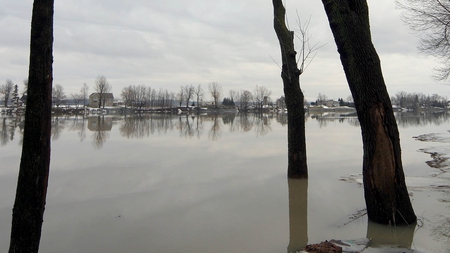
{"x":385,"y":192}
{"x":297,"y":166}
{"x":32,"y":183}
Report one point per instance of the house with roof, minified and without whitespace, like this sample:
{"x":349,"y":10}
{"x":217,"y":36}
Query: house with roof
{"x":97,"y":100}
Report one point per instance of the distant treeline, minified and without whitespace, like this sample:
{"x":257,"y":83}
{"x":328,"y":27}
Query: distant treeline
{"x":418,"y":100}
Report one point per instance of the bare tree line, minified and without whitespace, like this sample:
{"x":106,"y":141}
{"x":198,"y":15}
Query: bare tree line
{"x":418,"y":100}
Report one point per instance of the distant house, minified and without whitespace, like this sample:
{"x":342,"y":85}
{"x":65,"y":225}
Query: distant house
{"x":328,"y":103}
{"x":107,"y":100}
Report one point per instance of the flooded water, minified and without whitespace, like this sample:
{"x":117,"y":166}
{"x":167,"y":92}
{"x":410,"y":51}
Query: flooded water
{"x":217,"y":183}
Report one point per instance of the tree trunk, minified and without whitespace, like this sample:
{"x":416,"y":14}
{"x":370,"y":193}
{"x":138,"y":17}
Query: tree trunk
{"x":32,"y":183}
{"x":297,"y":166}
{"x":385,"y":192}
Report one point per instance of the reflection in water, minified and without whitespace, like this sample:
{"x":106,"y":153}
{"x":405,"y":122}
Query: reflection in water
{"x":404,"y":119}
{"x":186,"y":125}
{"x":198,"y":126}
{"x":381,"y":235}
{"x":245,"y":122}
{"x":8,"y":129}
{"x":298,"y":214}
{"x":141,"y":126}
{"x":4,"y":133}
{"x":408,"y":119}
{"x":79,"y":124}
{"x":137,"y":126}
{"x":58,"y":124}
{"x":214,"y":132}
{"x":99,"y":125}
{"x":282,"y":118}
{"x":228,"y":119}
{"x":324,"y":118}
{"x":263,"y":125}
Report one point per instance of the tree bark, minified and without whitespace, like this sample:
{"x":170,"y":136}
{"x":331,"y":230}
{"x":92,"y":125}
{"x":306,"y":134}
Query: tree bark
{"x":297,"y":166}
{"x":385,"y":192}
{"x":32,"y":183}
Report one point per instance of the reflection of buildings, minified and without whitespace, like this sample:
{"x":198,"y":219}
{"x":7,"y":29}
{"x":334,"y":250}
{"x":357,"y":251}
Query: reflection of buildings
{"x":298,"y":214}
{"x":100,"y":123}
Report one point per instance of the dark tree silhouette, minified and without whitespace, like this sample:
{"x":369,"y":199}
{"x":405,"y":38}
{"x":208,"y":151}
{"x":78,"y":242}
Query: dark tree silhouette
{"x":32,"y":183}
{"x":297,"y":165}
{"x":385,"y":192}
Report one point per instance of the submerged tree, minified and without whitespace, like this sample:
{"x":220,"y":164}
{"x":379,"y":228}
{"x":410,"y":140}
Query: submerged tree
{"x":290,"y":73}
{"x":32,"y":182}
{"x":385,"y":192}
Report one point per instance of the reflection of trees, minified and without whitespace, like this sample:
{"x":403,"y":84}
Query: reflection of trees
{"x":161,"y":123}
{"x":353,"y":122}
{"x":198,"y":129}
{"x":8,"y":129}
{"x":246,"y":121}
{"x":228,"y":119}
{"x":193,"y":125}
{"x":262,"y":123}
{"x":186,"y":126}
{"x":58,"y":125}
{"x":214,"y":132}
{"x":404,"y":119}
{"x":79,"y":124}
{"x":135,"y":127}
{"x":282,"y":118}
{"x":324,"y":118}
{"x":424,"y":118}
{"x":99,"y":126}
{"x":4,"y":133}
{"x":140,"y":126}
{"x":298,"y":214}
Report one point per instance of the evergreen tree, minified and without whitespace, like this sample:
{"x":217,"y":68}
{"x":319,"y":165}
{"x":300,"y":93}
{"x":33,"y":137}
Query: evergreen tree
{"x":15,"y":96}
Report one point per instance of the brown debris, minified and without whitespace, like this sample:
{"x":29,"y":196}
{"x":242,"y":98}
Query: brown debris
{"x":323,"y":247}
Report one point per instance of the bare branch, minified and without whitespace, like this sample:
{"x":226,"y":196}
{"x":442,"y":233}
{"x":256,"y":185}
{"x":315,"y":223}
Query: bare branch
{"x":431,"y":20}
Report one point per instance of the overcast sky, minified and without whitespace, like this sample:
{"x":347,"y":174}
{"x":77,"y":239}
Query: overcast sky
{"x":170,"y":43}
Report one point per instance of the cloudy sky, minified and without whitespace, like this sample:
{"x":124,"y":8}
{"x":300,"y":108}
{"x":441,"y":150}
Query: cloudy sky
{"x":170,"y":43}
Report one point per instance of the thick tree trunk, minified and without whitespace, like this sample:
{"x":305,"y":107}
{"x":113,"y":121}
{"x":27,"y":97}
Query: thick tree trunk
{"x":32,"y":183}
{"x":385,"y":192}
{"x":297,"y":166}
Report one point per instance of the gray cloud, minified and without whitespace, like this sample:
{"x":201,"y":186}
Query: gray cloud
{"x":166,"y":44}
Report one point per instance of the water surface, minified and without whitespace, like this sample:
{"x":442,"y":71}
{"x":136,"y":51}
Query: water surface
{"x":216,"y":183}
